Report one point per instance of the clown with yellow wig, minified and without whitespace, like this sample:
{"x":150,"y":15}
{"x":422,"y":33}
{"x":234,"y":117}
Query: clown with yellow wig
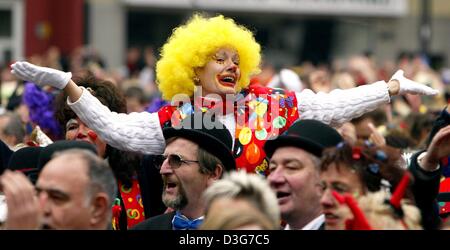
{"x":210,"y":61}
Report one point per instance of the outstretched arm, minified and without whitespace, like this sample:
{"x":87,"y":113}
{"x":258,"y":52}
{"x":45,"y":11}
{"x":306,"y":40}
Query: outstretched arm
{"x":137,"y":132}
{"x":47,"y":76}
{"x":140,"y":132}
{"x":340,"y":106}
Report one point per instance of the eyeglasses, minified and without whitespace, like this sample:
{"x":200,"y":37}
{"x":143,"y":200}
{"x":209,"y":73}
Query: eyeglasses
{"x":175,"y":161}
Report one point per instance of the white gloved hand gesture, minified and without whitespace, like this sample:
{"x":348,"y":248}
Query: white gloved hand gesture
{"x":41,"y":75}
{"x":412,"y":87}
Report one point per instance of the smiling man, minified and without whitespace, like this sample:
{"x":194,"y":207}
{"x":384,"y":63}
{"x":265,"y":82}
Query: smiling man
{"x":294,"y":172}
{"x":193,"y":160}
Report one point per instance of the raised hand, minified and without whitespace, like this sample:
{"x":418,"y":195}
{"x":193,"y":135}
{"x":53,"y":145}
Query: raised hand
{"x":23,"y":207}
{"x":439,"y":147}
{"x":408,"y":86}
{"x":376,"y":137}
{"x":41,"y":75}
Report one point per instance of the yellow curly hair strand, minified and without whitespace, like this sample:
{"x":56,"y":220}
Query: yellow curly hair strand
{"x":191,"y":46}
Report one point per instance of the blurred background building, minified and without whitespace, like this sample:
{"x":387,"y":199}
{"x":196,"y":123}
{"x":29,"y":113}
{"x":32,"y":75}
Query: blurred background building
{"x":290,"y":31}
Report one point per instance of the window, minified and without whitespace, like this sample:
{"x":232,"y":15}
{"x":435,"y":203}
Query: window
{"x":5,"y":23}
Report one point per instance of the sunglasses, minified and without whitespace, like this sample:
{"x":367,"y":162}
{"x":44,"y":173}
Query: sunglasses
{"x":175,"y":161}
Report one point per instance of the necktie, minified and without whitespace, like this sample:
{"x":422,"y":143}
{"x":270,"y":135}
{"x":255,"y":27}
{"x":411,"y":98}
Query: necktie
{"x":180,"y":222}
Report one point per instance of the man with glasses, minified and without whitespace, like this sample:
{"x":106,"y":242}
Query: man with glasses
{"x":193,"y":159}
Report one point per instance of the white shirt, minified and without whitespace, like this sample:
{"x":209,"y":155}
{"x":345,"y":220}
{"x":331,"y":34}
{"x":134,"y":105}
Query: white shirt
{"x":313,"y":225}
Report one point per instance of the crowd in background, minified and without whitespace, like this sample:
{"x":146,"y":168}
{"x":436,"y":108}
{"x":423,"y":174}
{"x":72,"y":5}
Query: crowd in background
{"x":405,"y":124}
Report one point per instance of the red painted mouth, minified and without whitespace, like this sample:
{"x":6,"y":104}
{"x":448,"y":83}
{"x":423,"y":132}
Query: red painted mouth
{"x":228,"y":80}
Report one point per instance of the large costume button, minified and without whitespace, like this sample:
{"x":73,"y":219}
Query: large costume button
{"x":261,"y":134}
{"x":279,"y":122}
{"x":252,"y":153}
{"x":245,"y":136}
{"x":261,"y":106}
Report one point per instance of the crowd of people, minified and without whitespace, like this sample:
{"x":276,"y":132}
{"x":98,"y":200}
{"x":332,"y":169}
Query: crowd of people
{"x":208,"y":136}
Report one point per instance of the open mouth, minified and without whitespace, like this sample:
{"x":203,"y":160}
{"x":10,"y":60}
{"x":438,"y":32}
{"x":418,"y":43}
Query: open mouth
{"x":227,"y":80}
{"x":331,"y":216}
{"x":282,"y":195}
{"x":170,"y":186}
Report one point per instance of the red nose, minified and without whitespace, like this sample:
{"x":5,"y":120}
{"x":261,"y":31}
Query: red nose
{"x":80,"y":136}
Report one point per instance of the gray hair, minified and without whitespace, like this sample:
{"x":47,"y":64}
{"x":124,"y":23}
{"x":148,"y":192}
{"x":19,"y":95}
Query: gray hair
{"x":101,"y":177}
{"x":316,"y":161}
{"x":14,"y":126}
{"x":251,"y":187}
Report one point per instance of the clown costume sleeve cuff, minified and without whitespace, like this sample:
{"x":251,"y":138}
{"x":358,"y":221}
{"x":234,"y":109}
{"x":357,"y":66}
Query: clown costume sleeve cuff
{"x":340,"y":106}
{"x":138,"y":132}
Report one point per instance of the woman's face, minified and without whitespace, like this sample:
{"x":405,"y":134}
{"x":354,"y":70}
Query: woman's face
{"x":342,"y":180}
{"x":221,"y":73}
{"x":77,"y":130}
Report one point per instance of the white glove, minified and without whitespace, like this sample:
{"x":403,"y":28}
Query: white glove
{"x":412,"y":87}
{"x":41,"y":75}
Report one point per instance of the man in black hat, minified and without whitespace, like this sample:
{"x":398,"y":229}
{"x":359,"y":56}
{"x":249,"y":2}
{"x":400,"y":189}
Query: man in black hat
{"x":294,"y":172}
{"x":196,"y":155}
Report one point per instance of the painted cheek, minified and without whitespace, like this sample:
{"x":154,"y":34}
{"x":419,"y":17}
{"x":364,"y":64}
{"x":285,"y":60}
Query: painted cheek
{"x":92,"y":135}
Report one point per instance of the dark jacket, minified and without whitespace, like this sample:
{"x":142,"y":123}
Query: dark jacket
{"x":425,"y":190}
{"x":426,"y":185}
{"x":160,"y":222}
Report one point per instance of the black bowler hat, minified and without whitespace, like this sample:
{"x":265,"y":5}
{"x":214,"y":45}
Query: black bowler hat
{"x":5,"y":155}
{"x":48,"y":152}
{"x":26,"y":161}
{"x":310,"y":135}
{"x":210,"y":134}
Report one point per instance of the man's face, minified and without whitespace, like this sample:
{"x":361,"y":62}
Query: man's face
{"x":183,"y":186}
{"x":77,"y":130}
{"x":221,"y":73}
{"x":342,"y":180}
{"x":61,"y":187}
{"x":295,"y":180}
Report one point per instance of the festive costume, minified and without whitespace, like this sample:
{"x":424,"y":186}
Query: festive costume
{"x":251,"y":122}
{"x":130,"y":201}
{"x":192,"y":47}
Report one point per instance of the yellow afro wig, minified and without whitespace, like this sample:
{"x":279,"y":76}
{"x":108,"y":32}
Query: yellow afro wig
{"x":191,"y":46}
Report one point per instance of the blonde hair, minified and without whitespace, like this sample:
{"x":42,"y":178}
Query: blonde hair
{"x":236,"y":217}
{"x":191,"y":46}
{"x":249,"y":187}
{"x":381,"y":216}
